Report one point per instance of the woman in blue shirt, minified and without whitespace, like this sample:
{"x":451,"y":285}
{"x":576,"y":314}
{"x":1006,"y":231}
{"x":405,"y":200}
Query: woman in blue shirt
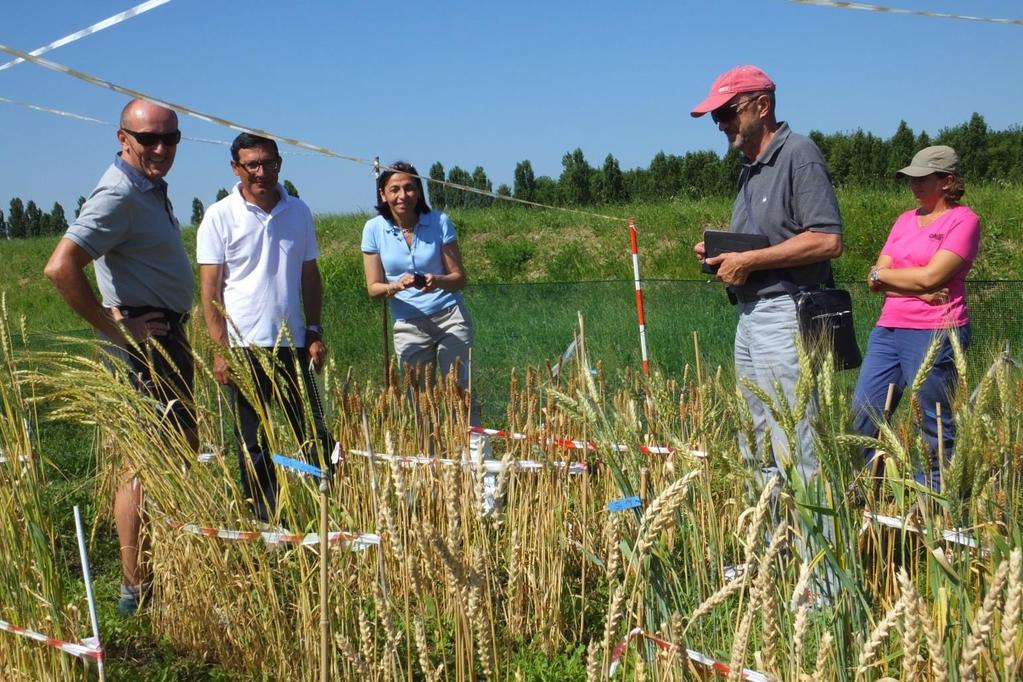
{"x":410,"y":256}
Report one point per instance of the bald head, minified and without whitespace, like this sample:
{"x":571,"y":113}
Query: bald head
{"x":149,"y":136}
{"x":139,"y":111}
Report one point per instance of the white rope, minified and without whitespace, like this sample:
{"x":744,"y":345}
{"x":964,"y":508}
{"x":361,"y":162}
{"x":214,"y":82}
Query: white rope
{"x":912,"y":12}
{"x":216,"y":120}
{"x":89,"y":30}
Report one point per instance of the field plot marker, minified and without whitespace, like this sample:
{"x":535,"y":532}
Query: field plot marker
{"x":84,"y":553}
{"x":639,"y":295}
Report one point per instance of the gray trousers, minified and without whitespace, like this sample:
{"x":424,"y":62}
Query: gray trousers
{"x":765,"y":352}
{"x":440,"y":340}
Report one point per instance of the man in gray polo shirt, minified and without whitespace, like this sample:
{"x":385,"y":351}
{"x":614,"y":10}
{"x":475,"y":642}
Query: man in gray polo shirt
{"x":145,"y":279}
{"x":785,"y":193}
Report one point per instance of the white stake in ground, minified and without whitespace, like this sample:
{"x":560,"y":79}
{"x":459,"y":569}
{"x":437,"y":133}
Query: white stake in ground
{"x":88,"y":591}
{"x":639,"y":295}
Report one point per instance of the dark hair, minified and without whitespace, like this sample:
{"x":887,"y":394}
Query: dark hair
{"x":248,"y":141}
{"x":385,"y":174}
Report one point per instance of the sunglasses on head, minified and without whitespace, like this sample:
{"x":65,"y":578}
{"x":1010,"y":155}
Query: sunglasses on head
{"x":152,"y":139}
{"x":729,"y":111}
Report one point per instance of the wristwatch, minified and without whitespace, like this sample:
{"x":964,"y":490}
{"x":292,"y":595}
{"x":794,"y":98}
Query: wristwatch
{"x":875,"y":276}
{"x":315,"y":329}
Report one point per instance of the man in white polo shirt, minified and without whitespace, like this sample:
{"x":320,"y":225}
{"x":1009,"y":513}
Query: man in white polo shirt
{"x":257,"y":252}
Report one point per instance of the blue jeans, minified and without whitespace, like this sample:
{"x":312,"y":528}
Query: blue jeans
{"x":894,"y":356}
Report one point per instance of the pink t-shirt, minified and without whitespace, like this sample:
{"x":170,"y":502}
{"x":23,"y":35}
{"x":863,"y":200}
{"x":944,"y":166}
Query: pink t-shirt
{"x":910,"y":245}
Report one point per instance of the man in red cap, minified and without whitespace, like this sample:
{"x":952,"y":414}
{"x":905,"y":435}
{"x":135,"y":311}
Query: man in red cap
{"x":785,"y":194}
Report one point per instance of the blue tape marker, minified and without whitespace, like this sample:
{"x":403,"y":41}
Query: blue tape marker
{"x":297,"y":465}
{"x":624,"y":503}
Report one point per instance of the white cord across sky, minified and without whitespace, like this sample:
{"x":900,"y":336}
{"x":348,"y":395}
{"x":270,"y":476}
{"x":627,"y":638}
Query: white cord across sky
{"x":912,"y":12}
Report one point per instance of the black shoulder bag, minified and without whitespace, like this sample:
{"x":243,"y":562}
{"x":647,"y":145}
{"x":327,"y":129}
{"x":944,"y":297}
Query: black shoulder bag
{"x":824,"y":313}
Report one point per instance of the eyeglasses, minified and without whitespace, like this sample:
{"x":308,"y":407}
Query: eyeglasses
{"x":727,"y":113}
{"x":268,"y":165}
{"x":153,"y":139}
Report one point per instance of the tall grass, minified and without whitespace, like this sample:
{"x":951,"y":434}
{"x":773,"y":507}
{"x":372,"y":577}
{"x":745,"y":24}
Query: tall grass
{"x":34,"y":590}
{"x":551,"y":574}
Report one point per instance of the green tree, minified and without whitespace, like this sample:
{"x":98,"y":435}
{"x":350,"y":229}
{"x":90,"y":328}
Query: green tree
{"x":58,"y":221}
{"x":290,"y":188}
{"x":575,"y":178}
{"x":33,"y":219}
{"x":3,"y":226}
{"x":546,"y":190}
{"x":503,"y":190}
{"x":970,"y":141}
{"x":457,"y":198}
{"x":525,"y":181}
{"x":482,"y":182}
{"x":438,"y":197}
{"x":17,"y":225}
{"x":222,"y":193}
{"x":666,"y":176}
{"x":1005,"y":152}
{"x":608,"y":184}
{"x":78,"y":208}
{"x":922,"y":140}
{"x":900,"y":148}
{"x":197,"y":211}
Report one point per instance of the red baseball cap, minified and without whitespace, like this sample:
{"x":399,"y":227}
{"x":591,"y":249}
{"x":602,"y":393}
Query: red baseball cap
{"x":731,"y":83}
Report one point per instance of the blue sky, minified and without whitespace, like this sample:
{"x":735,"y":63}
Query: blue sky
{"x":472,"y":83}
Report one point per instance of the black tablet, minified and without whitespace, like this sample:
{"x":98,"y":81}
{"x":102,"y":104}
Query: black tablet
{"x":717,"y":242}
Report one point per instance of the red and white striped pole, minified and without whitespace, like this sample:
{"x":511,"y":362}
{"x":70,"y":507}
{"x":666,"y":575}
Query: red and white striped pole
{"x":639,"y":296}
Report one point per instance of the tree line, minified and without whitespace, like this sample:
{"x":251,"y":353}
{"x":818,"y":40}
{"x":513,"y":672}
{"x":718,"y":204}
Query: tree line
{"x":857,"y":159}
{"x":28,"y":220}
{"x":25,"y":219}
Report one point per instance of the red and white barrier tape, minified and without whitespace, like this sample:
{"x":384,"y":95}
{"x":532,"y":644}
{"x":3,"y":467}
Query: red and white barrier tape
{"x":957,"y":536}
{"x":356,"y":542}
{"x":590,"y":446}
{"x":491,"y":466}
{"x":87,"y":648}
{"x":714,"y":666}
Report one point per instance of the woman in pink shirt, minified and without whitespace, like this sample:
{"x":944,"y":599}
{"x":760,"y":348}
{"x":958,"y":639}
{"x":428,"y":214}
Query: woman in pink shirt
{"x":922,"y":272}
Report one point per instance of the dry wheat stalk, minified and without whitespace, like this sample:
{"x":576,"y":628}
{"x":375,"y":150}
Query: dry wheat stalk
{"x":823,"y":653}
{"x":423,"y":652}
{"x":660,"y":513}
{"x":939,"y":666}
{"x":351,"y":655}
{"x":593,"y":671}
{"x":912,"y":628}
{"x":981,"y":626}
{"x":614,"y":615}
{"x":1011,"y":612}
{"x":877,"y":637}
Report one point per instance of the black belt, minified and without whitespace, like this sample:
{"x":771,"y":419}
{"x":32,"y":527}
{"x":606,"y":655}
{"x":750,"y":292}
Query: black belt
{"x":172,"y":317}
{"x":735,"y":297}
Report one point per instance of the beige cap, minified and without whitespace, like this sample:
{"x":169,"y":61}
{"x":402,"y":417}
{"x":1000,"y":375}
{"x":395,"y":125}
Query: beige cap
{"x":937,"y":159}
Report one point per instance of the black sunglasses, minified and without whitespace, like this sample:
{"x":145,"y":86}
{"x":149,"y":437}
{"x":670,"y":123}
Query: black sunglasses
{"x":728,"y":112}
{"x":152,"y":139}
